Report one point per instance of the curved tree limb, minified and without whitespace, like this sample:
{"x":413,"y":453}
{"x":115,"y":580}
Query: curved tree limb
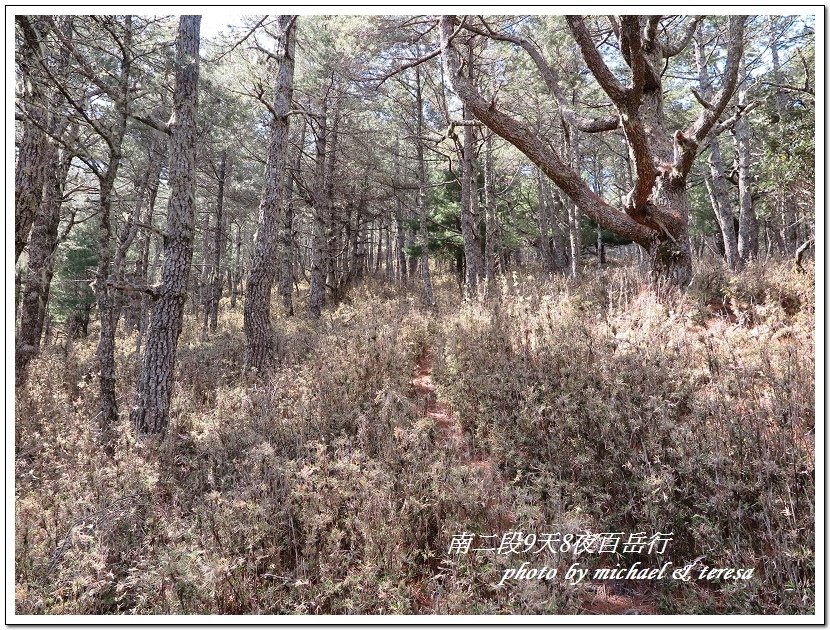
{"x":520,"y":135}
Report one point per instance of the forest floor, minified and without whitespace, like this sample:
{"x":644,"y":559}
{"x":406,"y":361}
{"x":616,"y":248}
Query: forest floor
{"x":340,"y":483}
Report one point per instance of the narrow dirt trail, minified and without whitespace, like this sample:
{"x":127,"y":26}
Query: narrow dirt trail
{"x":450,"y":434}
{"x":606,"y":598}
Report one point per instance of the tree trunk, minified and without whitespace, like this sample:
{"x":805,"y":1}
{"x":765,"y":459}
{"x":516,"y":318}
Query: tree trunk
{"x":716,"y":179}
{"x":105,"y":295}
{"x":286,"y":237}
{"x":470,"y":212}
{"x":788,"y":208}
{"x":219,"y":241}
{"x":316,"y":289}
{"x":748,"y":223}
{"x":259,"y":342}
{"x":491,"y":219}
{"x":422,"y":204}
{"x":151,"y":408}
{"x":40,"y":267}
{"x":236,"y":273}
{"x":32,"y":158}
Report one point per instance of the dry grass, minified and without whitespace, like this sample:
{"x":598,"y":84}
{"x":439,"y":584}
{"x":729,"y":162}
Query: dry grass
{"x":328,"y":488}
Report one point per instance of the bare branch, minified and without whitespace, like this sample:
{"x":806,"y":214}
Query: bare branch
{"x":551,"y":79}
{"x":606,"y":79}
{"x":670,"y":50}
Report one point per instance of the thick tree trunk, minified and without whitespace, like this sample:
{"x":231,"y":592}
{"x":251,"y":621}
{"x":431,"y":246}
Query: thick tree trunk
{"x":33,"y":152}
{"x":151,"y":408}
{"x":259,"y":342}
{"x":40,"y":267}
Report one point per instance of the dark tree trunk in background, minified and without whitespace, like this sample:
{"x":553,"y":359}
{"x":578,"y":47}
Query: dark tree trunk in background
{"x":259,"y":342}
{"x":715,"y":180}
{"x":316,"y":289}
{"x":491,"y":219}
{"x":286,"y":237}
{"x":423,"y":207}
{"x":748,"y":223}
{"x":105,"y":295}
{"x":788,"y":217}
{"x":236,"y":272}
{"x":219,"y":240}
{"x":151,"y":408}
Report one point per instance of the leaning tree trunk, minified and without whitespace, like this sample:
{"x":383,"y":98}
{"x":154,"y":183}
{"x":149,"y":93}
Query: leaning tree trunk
{"x":655,"y":213}
{"x":259,"y":342}
{"x":151,"y":408}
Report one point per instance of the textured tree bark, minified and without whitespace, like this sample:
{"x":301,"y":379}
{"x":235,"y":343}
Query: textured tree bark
{"x":259,"y":342}
{"x":748,"y":222}
{"x":219,"y":241}
{"x":51,"y":178}
{"x":151,"y":408}
{"x":32,"y":158}
{"x":40,"y":266}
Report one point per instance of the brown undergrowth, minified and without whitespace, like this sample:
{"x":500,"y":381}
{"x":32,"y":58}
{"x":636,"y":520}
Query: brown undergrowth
{"x":336,"y":485}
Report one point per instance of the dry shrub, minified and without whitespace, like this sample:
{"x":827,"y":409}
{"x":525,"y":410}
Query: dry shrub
{"x":646,"y":416}
{"x":325,"y":488}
